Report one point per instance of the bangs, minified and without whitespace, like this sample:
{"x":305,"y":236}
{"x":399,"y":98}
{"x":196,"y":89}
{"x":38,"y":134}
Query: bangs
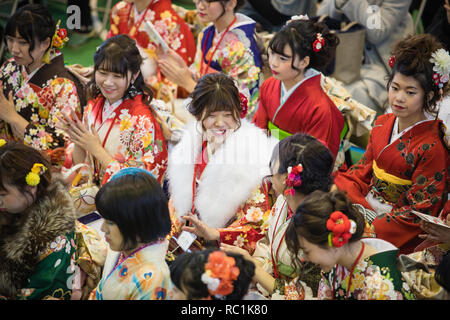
{"x":23,"y":26}
{"x":112,"y":59}
{"x":218,"y":100}
{"x":279,"y":42}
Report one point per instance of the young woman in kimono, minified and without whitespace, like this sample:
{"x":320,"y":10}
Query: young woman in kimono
{"x":216,"y":171}
{"x":119,"y":128}
{"x":405,"y":165}
{"x":228,"y":45}
{"x":129,"y":17}
{"x":39,"y":250}
{"x":136,"y":223}
{"x":327,"y":230}
{"x":35,"y":87}
{"x":210,"y":275}
{"x":292,"y":100}
{"x":275,"y":270}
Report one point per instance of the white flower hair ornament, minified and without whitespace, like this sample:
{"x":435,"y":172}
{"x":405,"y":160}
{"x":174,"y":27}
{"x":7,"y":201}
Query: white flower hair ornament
{"x":298,"y":17}
{"x":441,"y":60}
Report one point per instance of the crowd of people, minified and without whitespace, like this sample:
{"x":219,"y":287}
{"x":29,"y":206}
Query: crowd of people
{"x":176,"y":168}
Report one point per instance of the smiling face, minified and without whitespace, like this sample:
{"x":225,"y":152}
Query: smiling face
{"x":112,"y":85}
{"x":406,"y":98}
{"x":326,"y":258}
{"x":218,"y":125}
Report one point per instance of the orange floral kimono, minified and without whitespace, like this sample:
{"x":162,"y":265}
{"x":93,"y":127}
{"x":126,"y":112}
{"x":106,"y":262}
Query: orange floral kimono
{"x":130,"y":134}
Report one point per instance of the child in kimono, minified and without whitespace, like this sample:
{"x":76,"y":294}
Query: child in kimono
{"x":35,"y":87}
{"x":309,"y":163}
{"x":292,"y":100}
{"x":136,"y":223}
{"x":216,"y":171}
{"x":210,"y":275}
{"x":40,"y":256}
{"x":129,"y":17}
{"x":405,"y":165}
{"x":119,"y":128}
{"x":227,"y":45}
{"x":328,"y":230}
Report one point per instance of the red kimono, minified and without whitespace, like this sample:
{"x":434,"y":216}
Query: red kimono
{"x":308,"y":109}
{"x":409,"y":173}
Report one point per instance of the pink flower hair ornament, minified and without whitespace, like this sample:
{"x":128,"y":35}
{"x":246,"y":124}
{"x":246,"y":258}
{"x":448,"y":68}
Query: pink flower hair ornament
{"x":293,"y":179}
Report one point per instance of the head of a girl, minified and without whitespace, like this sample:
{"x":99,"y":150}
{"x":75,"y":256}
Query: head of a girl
{"x":412,"y":89}
{"x":117,"y":64}
{"x":216,"y":104}
{"x":134,"y":208}
{"x":306,"y":151}
{"x":210,"y":274}
{"x":17,"y":189}
{"x":298,"y":46}
{"x":212,"y":10}
{"x":309,"y":230}
{"x":29,"y":33}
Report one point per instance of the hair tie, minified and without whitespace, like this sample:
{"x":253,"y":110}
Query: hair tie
{"x":441,"y":67}
{"x":220,"y":272}
{"x":293,"y":179}
{"x":244,"y":104}
{"x":319,"y":43}
{"x":33,"y":177}
{"x":341,"y":228}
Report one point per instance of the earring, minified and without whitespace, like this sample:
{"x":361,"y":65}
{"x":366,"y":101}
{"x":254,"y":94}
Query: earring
{"x":132,"y":91}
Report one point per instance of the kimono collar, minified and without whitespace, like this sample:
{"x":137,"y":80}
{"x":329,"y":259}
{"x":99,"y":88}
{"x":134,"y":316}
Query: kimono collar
{"x":311,"y":72}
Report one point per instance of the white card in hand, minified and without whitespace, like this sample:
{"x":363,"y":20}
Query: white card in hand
{"x":155,"y":36}
{"x":185,"y":240}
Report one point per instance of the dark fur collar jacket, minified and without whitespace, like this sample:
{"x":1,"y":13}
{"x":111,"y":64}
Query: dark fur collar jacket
{"x":22,"y":238}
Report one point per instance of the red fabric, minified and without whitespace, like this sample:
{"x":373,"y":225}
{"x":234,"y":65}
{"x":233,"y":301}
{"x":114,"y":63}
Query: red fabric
{"x":418,"y":155}
{"x":308,"y":110}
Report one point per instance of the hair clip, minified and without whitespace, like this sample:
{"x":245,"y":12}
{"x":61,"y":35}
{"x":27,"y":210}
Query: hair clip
{"x":441,"y":60}
{"x":220,"y":272}
{"x":244,"y":104}
{"x":293,"y":179}
{"x":341,"y":228}
{"x":58,"y":41}
{"x":33,"y":177}
{"x":318,"y":43}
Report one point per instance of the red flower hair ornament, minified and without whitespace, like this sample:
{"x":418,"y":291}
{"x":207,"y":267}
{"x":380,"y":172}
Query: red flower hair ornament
{"x":244,"y":105}
{"x":318,"y":43}
{"x":294,"y":179}
{"x":220,"y":272}
{"x":341,"y":228}
{"x":392,"y":62}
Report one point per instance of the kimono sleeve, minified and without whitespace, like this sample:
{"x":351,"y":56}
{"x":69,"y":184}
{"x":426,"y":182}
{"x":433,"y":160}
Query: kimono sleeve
{"x":146,"y":147}
{"x":425,"y":195}
{"x":250,"y":224}
{"x":356,"y":180}
{"x":43,"y":134}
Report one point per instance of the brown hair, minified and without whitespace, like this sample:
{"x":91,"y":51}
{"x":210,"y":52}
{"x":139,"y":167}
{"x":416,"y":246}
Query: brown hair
{"x":310,"y":221}
{"x":16,"y":161}
{"x":215,"y":92}
{"x":412,"y":58}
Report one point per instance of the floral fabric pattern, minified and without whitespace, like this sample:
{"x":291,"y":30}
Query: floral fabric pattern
{"x":39,"y":105}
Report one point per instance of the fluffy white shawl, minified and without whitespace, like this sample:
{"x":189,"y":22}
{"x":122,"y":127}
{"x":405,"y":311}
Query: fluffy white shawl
{"x":232,"y":173}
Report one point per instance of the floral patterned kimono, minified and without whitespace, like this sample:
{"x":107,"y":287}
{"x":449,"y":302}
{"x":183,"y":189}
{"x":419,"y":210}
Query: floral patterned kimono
{"x":398,"y":175}
{"x":39,"y":97}
{"x":374,"y":278}
{"x":143,"y":275}
{"x":130,"y":134}
{"x":176,"y":33}
{"x":226,"y":188}
{"x":272,"y":252}
{"x":234,"y":53}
